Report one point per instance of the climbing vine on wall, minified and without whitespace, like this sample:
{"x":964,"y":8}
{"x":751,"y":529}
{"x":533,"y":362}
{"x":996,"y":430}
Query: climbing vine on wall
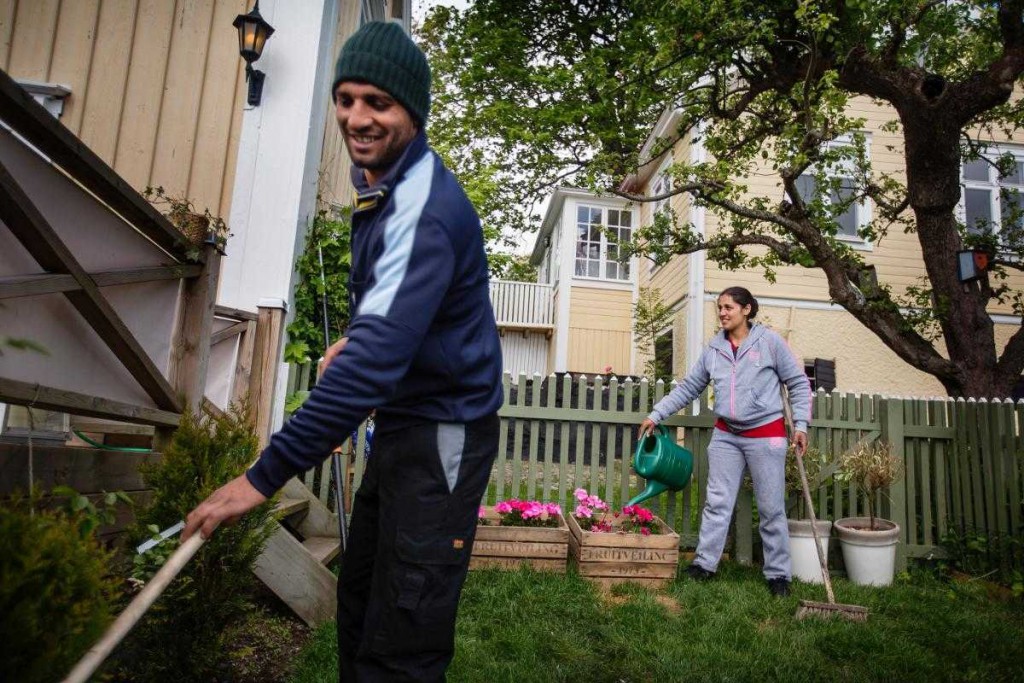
{"x":330,"y":232}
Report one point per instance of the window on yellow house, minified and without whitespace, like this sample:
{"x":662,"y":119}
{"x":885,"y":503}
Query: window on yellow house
{"x":599,"y":233}
{"x":988,"y":200}
{"x":662,"y":185}
{"x":857,"y":214}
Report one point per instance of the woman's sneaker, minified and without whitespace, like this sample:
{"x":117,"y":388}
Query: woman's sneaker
{"x":698,"y":573}
{"x":778,"y":587}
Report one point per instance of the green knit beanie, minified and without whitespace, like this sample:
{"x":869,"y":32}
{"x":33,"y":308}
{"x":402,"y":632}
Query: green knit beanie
{"x":381,"y":54}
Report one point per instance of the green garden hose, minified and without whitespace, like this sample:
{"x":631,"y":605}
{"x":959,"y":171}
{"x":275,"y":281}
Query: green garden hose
{"x":96,"y":444}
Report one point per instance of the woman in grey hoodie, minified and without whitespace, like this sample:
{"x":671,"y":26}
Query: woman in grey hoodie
{"x":746,"y":364}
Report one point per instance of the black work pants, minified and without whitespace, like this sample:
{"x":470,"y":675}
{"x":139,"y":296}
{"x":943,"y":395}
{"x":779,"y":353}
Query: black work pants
{"x":413,"y":523}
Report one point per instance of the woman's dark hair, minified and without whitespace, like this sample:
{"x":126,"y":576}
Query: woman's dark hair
{"x":743,"y":297}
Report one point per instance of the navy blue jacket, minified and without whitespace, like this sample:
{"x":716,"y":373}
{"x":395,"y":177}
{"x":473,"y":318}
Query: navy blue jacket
{"x":422,"y":344}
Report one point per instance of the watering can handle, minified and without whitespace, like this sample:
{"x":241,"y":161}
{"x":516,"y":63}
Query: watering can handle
{"x":658,"y":427}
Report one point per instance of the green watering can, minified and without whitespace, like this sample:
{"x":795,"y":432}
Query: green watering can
{"x":663,"y":463}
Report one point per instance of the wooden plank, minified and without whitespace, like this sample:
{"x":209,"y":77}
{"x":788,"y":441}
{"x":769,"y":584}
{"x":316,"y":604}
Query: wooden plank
{"x":229,"y":332}
{"x":34,"y":232}
{"x":924,"y":462}
{"x":25,"y":393}
{"x":190,"y":351}
{"x":999,"y":503}
{"x":1016,"y":467}
{"x":627,"y":444}
{"x":8,"y":10}
{"x":31,"y":120}
{"x":549,"y":442}
{"x":87,"y":470}
{"x":943,"y":474}
{"x":535,"y":427}
{"x":289,"y":506}
{"x":909,"y":483}
{"x":266,"y":350}
{"x":512,"y":563}
{"x":295,"y":576}
{"x":563,"y":456}
{"x":620,"y":555}
{"x":892,"y":429}
{"x":964,"y":453}
{"x":243,"y":366}
{"x":35,"y":285}
{"x":595,"y":441}
{"x":322,"y":548}
{"x":520,"y":549}
{"x":234,"y":313}
{"x":32,"y":47}
{"x":517,"y":443}
{"x":103,"y":104}
{"x":73,"y":56}
{"x":610,"y":443}
{"x":581,"y":400}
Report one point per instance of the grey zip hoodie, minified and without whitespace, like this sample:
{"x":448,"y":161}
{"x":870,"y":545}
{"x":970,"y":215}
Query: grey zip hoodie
{"x":747,"y":385}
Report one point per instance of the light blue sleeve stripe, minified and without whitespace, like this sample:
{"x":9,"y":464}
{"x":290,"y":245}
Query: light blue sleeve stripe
{"x":399,"y":235}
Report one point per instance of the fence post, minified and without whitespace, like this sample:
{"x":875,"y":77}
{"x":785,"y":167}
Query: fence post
{"x":891,"y":415}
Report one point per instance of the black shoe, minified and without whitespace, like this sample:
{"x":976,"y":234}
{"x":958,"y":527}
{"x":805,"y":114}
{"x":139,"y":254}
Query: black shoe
{"x":698,"y":573}
{"x":778,"y":587}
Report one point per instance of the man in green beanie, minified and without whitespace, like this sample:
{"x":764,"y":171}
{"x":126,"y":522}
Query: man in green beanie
{"x":423,"y":350}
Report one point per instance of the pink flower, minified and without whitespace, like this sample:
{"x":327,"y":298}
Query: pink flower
{"x":531,"y":510}
{"x":503,"y":508}
{"x":583,"y":511}
{"x":553,"y":509}
{"x":644,"y":531}
{"x":481,"y":513}
{"x":580,"y":494}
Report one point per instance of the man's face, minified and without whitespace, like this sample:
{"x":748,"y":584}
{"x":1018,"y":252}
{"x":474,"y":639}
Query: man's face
{"x":375,"y":126}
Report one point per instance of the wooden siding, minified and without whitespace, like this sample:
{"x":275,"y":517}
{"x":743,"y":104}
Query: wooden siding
{"x":600,"y":330}
{"x":157,"y":87}
{"x":335,"y":185}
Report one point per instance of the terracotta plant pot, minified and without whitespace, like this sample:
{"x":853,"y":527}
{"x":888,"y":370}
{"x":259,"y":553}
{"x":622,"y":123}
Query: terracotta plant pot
{"x":869,"y":554}
{"x":802,"y":552}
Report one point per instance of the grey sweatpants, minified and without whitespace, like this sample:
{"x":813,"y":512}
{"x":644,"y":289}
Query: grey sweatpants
{"x":728,"y":456}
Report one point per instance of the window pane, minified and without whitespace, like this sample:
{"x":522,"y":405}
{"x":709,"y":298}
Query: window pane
{"x":978,"y":207}
{"x":595,"y":215}
{"x":805,"y":187}
{"x":613,"y":217}
{"x":1016,"y":177}
{"x":595,"y":234}
{"x":624,"y":271}
{"x":613,"y":271}
{"x":1012,"y":205}
{"x":594,"y":268}
{"x":624,"y":218}
{"x":848,"y":219}
{"x":581,"y":266}
{"x":582,"y":213}
{"x":976,"y":170}
{"x":594,"y":251}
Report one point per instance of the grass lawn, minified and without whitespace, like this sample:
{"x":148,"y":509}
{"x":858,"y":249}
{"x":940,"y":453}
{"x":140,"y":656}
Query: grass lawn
{"x":531,"y":627}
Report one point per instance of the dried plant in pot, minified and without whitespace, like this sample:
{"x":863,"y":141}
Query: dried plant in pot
{"x":199,"y":228}
{"x":869,"y":543}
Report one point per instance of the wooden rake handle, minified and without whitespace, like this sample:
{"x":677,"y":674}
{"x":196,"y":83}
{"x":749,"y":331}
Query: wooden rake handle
{"x":814,"y":529}
{"x":124,"y":623}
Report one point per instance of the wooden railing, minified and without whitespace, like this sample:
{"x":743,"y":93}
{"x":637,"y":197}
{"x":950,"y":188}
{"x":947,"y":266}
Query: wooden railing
{"x":523,"y":305}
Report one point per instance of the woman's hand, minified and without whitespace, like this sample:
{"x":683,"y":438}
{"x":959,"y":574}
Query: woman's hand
{"x":646,"y":428}
{"x":800,"y":443}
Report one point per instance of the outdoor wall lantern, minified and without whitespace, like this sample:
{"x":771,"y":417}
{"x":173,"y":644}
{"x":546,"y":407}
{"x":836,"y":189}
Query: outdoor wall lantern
{"x":253,"y":32}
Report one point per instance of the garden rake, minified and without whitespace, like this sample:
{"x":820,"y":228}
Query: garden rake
{"x":831,"y":608}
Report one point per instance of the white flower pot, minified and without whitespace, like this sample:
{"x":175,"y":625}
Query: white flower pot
{"x":802,"y":552}
{"x":869,"y":554}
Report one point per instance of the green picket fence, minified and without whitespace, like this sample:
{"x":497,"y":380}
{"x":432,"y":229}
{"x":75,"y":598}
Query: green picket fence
{"x":964,"y":459}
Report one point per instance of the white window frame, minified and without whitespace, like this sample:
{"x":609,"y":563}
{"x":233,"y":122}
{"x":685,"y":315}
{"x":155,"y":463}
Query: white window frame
{"x":602,"y":257}
{"x":993,"y":186}
{"x":862,"y":209}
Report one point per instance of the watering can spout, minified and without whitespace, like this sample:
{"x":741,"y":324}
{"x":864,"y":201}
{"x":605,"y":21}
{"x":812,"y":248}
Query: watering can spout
{"x":654,"y":488}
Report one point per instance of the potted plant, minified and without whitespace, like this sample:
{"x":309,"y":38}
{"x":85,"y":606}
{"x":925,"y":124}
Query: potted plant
{"x":803,"y":554}
{"x":516,"y":532}
{"x":869,"y":543}
{"x":632,"y":545}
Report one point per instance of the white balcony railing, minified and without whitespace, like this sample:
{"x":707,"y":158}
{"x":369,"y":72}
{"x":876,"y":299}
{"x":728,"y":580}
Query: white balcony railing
{"x":523,"y":305}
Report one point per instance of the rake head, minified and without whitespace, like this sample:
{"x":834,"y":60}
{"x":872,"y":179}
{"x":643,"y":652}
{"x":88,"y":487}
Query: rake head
{"x":826,"y":610}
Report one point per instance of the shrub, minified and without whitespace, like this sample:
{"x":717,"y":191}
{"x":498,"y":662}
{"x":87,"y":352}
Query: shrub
{"x":182,"y":636}
{"x":56,"y":590}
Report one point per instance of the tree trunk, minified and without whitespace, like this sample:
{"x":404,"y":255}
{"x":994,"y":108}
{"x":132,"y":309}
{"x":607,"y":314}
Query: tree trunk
{"x":933,"y":185}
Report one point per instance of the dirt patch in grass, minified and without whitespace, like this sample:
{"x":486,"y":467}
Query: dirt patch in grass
{"x":263,"y":647}
{"x":666,"y":601}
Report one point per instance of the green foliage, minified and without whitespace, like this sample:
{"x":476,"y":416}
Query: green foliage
{"x":197,"y":227}
{"x":998,"y":558}
{"x":567,"y":94}
{"x":515,"y":267}
{"x":56,"y":590}
{"x":331,"y":235}
{"x":650,"y":318}
{"x":182,"y":636}
{"x":91,"y":516}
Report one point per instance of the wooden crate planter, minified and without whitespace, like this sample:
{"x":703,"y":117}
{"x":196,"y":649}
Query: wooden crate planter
{"x":508,"y":547}
{"x":611,"y":558}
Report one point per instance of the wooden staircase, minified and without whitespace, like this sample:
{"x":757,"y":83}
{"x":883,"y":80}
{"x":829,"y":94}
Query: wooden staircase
{"x":295,"y":558}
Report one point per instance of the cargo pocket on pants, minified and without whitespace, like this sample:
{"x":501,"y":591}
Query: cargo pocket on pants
{"x":425,"y":585}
